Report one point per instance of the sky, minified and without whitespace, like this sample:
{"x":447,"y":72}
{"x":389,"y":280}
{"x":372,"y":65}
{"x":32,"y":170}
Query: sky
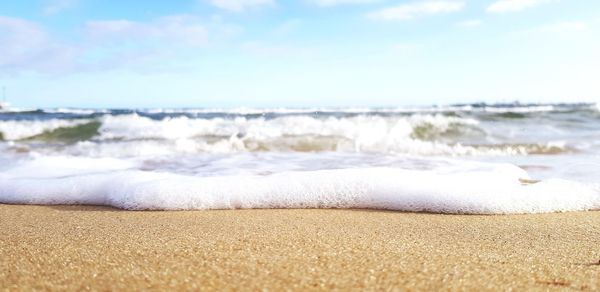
{"x":303,"y":53}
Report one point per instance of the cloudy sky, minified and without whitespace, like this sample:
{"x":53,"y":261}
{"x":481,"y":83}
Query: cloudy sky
{"x":271,"y":53}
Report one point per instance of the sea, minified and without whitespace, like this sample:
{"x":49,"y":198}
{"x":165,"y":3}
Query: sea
{"x":458,"y":159}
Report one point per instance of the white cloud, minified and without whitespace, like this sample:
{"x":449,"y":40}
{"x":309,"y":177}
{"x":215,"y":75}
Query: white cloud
{"x":469,"y":23}
{"x":56,"y":6}
{"x":240,"y":5}
{"x":327,"y":3}
{"x":180,"y":29}
{"x":26,"y":46}
{"x":104,"y":45}
{"x":501,"y":6}
{"x":414,"y":10}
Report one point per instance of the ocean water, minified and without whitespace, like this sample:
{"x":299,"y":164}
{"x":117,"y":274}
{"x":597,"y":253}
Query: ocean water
{"x":474,"y":158}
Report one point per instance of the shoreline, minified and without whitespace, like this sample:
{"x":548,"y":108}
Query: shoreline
{"x":74,"y":247}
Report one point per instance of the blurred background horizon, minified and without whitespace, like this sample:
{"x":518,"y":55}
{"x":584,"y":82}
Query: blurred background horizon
{"x":306,"y":53}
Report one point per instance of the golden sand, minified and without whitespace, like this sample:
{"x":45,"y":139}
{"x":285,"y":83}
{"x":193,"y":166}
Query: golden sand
{"x":74,"y":247}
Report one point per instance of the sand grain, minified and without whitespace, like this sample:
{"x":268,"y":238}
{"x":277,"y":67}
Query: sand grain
{"x":74,"y":247}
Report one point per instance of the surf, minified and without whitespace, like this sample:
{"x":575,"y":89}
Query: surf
{"x":478,"y":189}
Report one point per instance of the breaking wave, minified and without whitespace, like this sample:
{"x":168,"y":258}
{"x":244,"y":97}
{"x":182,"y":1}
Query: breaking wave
{"x":384,"y":158}
{"x":17,"y":129}
{"x":484,"y":189}
{"x":425,"y":134}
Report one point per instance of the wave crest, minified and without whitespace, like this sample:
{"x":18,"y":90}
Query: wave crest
{"x":423,"y":134}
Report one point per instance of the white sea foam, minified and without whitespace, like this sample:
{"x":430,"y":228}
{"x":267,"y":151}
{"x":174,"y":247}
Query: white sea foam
{"x":12,"y":109}
{"x":221,"y":135}
{"x":385,"y":158}
{"x":422,"y":134}
{"x":483,"y":189}
{"x":76,"y":111}
{"x":126,"y":135}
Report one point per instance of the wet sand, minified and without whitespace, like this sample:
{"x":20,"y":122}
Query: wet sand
{"x":74,"y":247}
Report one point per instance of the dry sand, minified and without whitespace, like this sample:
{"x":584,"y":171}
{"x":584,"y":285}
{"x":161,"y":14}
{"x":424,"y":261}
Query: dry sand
{"x":74,"y":247}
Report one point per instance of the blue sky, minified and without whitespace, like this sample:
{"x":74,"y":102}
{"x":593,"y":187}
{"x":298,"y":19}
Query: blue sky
{"x":271,"y":53}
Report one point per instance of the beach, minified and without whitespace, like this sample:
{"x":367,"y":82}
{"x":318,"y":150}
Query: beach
{"x":100,"y":248}
{"x":267,"y":145}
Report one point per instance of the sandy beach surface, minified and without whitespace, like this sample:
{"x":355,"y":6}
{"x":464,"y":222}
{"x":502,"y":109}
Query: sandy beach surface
{"x":75,"y":247}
